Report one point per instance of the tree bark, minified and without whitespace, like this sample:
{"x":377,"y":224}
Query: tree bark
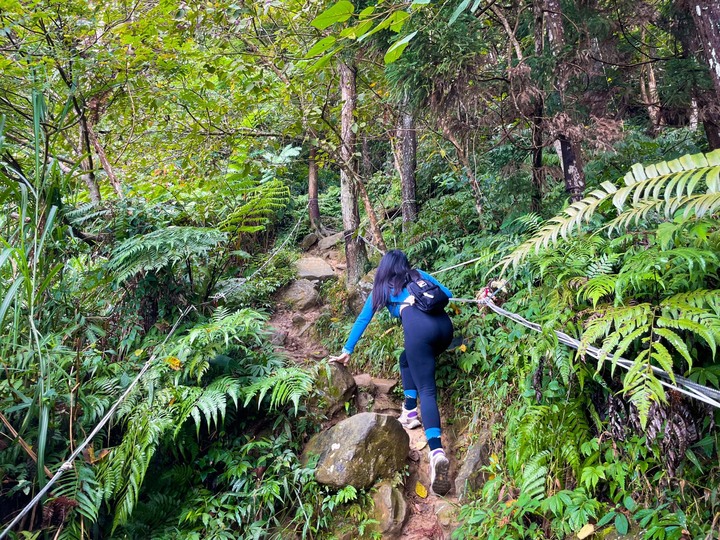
{"x":574,"y":175}
{"x":372,"y":217}
{"x":408,"y":166}
{"x":706,"y":15}
{"x":100,"y":151}
{"x":86,"y":165}
{"x":355,"y":253}
{"x":538,"y":173}
{"x":313,"y":204}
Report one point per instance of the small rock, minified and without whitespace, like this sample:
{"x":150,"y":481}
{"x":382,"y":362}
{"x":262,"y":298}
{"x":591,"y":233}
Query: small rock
{"x":364,"y":402}
{"x":330,"y":241}
{"x":334,"y":387}
{"x":300,"y":295}
{"x":363,"y":380}
{"x":384,"y":386}
{"x":446,"y":514}
{"x":471,"y":477}
{"x":278,"y":337}
{"x":390,"y":510}
{"x":384,"y":404}
{"x":308,"y":241}
{"x":298,"y":320}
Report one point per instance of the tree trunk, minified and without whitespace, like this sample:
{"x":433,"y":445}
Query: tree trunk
{"x":712,"y":132}
{"x":574,"y":177}
{"x":706,"y":15}
{"x":313,"y":205}
{"x":89,"y":180}
{"x":648,"y":89}
{"x":538,"y":173}
{"x":100,"y":151}
{"x":354,"y":247}
{"x":367,"y":167}
{"x":408,"y":165}
{"x":87,"y":166}
{"x":372,"y":217}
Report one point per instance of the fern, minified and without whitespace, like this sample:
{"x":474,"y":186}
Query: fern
{"x":242,"y":329}
{"x":209,"y":403}
{"x":662,"y":189}
{"x":161,"y":248}
{"x":534,"y":475}
{"x":80,"y":484}
{"x":658,"y":336}
{"x":255,"y":203}
{"x":285,"y":385}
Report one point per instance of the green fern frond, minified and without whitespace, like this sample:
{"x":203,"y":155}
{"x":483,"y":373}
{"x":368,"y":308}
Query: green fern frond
{"x":700,"y":299}
{"x":79,"y":484}
{"x":257,"y":203}
{"x":642,"y":387}
{"x":208,"y":404}
{"x":597,"y":288}
{"x":663,"y":187}
{"x":243,"y":329}
{"x":161,"y":248}
{"x":603,"y":265}
{"x":534,"y":475}
{"x":286,"y":385}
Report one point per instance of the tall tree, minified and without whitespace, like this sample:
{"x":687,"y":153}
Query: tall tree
{"x":408,"y":164}
{"x":354,"y":246}
{"x":570,"y":149}
{"x":706,"y":15}
{"x":313,"y":205}
{"x":706,"y":19}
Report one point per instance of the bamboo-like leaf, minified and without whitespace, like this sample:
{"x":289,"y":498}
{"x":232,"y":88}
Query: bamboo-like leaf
{"x":10,"y":296}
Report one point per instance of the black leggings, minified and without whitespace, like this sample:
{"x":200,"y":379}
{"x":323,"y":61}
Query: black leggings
{"x":426,"y":336}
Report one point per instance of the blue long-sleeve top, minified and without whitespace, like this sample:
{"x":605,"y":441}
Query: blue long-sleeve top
{"x":393,"y":306}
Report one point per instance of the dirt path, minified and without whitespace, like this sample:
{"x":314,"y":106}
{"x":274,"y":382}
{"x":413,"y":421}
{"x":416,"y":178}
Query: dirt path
{"x":430,"y":517}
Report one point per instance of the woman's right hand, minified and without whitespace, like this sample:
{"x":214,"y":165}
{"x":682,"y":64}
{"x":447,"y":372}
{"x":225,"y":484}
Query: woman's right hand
{"x":343,"y":358}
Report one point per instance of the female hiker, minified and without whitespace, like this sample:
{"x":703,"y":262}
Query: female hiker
{"x":426,"y":333}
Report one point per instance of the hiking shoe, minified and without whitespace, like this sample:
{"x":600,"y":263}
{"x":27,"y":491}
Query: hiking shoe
{"x":439,"y":472}
{"x":409,"y":418}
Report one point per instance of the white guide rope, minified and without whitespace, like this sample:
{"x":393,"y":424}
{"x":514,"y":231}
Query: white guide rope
{"x":683,"y":385}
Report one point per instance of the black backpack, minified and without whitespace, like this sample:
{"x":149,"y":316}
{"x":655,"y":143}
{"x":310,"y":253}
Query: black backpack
{"x":428,"y":297}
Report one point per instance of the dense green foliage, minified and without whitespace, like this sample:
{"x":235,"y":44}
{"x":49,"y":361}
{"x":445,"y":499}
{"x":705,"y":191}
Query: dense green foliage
{"x":154,"y":163}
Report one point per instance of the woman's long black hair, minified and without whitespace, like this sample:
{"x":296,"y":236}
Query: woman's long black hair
{"x":393,"y":273}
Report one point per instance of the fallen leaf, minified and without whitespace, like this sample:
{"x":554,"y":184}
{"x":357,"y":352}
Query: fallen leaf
{"x":421,"y":490}
{"x":173,"y":362}
{"x":586,"y":531}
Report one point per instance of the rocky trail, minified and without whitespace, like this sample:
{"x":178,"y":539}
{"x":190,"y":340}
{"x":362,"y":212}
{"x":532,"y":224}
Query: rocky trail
{"x":425,"y":515}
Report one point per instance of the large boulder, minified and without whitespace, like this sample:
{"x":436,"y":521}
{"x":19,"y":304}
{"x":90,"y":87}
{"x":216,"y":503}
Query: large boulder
{"x":359,"y":450}
{"x":314,"y":269}
{"x":334,"y":386}
{"x":390,"y":510}
{"x":300,"y":295}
